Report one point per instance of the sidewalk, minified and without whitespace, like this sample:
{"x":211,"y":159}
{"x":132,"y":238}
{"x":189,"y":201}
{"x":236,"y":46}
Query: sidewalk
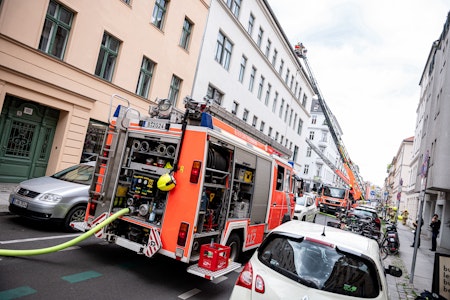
{"x":399,"y":288}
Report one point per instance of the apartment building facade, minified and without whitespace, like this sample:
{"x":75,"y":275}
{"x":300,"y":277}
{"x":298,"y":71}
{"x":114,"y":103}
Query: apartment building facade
{"x":61,"y":61}
{"x":432,"y":140}
{"x":248,"y":67}
{"x":318,"y":133}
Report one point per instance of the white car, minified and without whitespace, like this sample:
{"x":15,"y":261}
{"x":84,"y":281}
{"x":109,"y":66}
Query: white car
{"x":303,"y":260}
{"x":305,"y":208}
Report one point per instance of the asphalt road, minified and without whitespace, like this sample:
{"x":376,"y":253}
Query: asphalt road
{"x":93,"y":269}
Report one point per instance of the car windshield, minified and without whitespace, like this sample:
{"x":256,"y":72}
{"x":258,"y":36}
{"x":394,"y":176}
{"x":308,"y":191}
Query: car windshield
{"x":79,"y":174}
{"x":300,"y":200}
{"x":334,"y":192}
{"x":364,"y":213}
{"x":321,"y":266}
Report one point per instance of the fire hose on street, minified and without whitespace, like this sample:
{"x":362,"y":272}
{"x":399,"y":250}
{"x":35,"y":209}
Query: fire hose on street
{"x":92,"y":231}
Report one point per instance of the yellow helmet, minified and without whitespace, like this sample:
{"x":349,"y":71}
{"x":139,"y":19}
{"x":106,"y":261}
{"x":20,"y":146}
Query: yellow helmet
{"x":166,"y":182}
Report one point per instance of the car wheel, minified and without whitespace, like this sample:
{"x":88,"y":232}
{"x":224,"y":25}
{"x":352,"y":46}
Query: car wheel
{"x":314,"y":219}
{"x":76,"y":214}
{"x":304,"y":218}
{"x":234,"y":242}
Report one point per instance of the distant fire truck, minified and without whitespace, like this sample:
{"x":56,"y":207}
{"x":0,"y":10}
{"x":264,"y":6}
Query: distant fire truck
{"x":189,"y":180}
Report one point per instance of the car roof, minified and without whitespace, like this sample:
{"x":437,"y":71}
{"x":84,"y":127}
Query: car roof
{"x":328,"y":234}
{"x":363,"y":207}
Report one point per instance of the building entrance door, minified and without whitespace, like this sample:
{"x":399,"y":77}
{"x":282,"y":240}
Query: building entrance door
{"x":27,"y":130}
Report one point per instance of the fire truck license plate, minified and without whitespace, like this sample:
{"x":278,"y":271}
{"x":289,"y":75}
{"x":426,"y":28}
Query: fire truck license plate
{"x":161,"y":125}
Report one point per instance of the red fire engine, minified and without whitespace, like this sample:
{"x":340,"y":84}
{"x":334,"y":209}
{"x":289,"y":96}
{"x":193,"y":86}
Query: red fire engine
{"x":189,"y":180}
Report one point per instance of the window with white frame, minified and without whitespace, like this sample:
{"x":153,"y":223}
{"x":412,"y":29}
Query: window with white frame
{"x":235,"y":107}
{"x":224,"y":49}
{"x":280,"y":70}
{"x":313,"y":119}
{"x":252,"y":79}
{"x":280,"y":113}
{"x":251,"y":23}
{"x":305,"y":98}
{"x":274,"y":104}
{"x":269,"y":87}
{"x":245,"y":115}
{"x":242,"y":69}
{"x":234,"y":6}
{"x":311,"y":135}
{"x":261,"y":126}
{"x":214,"y":94}
{"x":306,"y":169}
{"x":308,"y":152}
{"x":260,"y":87}
{"x":269,"y":44}
{"x":260,"y":37}
{"x":274,"y":57}
{"x":300,"y":126}
{"x":255,"y":121}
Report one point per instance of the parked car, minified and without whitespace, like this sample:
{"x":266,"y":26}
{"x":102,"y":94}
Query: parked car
{"x":305,"y":208}
{"x":303,"y":260}
{"x":60,"y":198}
{"x":362,"y":211}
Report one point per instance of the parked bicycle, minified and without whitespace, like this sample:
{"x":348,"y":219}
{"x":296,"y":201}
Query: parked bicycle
{"x":390,"y":243}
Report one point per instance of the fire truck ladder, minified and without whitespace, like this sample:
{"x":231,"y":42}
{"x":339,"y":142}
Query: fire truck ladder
{"x":107,"y":167}
{"x":353,"y":175}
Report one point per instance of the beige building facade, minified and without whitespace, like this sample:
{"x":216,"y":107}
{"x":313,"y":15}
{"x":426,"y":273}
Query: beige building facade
{"x":61,"y":62}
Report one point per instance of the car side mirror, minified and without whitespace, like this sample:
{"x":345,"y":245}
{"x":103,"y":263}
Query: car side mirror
{"x":394,"y":271}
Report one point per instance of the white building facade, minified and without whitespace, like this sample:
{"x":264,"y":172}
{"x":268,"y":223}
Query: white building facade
{"x":248,"y":67}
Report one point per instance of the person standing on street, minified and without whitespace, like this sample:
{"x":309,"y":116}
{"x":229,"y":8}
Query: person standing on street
{"x":435,"y":226}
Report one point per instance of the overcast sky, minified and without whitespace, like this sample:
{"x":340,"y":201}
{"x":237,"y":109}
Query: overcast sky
{"x":367,"y":57}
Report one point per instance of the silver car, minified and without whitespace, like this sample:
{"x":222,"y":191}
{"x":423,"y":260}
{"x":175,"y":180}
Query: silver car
{"x":60,"y":198}
{"x":305,"y":208}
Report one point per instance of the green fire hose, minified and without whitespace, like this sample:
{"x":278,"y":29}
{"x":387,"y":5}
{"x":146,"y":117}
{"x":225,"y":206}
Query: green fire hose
{"x":8,"y":252}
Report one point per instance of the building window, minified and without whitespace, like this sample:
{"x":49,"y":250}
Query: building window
{"x":292,"y":82}
{"x":269,"y":133}
{"x":245,"y":115}
{"x":311,"y":135}
{"x":300,"y":126}
{"x":269,"y":44}
{"x":186,"y":34}
{"x":107,"y":57}
{"x":286,"y":113}
{"x":235,"y":108}
{"x":127,"y":1}
{"x":281,"y":139}
{"x":324,"y":136}
{"x":214,"y":94}
{"x":295,"y":154}
{"x":242,"y":70}
{"x":304,"y":100}
{"x":159,"y":13}
{"x":291,"y":114}
{"x":260,"y":87}
{"x":280,"y":71}
{"x":55,"y":34}
{"x":296,"y":88}
{"x":261,"y":126}
{"x":308,"y":152}
{"x":280,"y":113}
{"x":255,"y":121}
{"x":274,"y":104}
{"x":145,"y":77}
{"x":274,"y":57}
{"x":276,"y":135}
{"x":175,"y":86}
{"x":269,"y":87}
{"x":251,"y":23}
{"x":295,"y":120}
{"x":234,"y":6}
{"x":313,"y":119}
{"x":260,"y":37}
{"x":306,"y":170}
{"x":223,"y":50}
{"x":252,"y":79}
{"x":287,"y":76}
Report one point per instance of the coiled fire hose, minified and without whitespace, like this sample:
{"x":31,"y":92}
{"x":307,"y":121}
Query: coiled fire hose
{"x":9,"y":252}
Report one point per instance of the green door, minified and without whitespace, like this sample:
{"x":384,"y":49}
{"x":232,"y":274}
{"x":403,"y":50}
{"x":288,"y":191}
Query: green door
{"x":27,"y":135}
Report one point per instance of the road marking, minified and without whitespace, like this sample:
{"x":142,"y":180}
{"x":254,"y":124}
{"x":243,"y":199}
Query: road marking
{"x":189,"y":294}
{"x":17,"y":292}
{"x":39,"y":239}
{"x":74,"y":278}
